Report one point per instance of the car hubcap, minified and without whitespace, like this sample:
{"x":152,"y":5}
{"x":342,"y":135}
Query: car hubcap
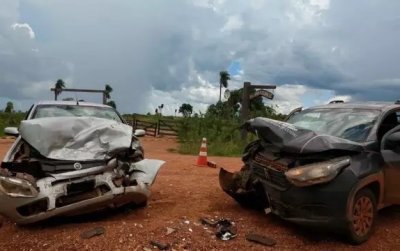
{"x":362,"y":216}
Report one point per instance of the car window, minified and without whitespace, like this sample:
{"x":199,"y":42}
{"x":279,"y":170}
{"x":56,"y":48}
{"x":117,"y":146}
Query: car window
{"x":44,"y":111}
{"x":351,"y":124}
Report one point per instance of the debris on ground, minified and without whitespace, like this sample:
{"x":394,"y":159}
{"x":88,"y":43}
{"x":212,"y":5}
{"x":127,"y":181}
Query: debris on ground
{"x":170,"y":230}
{"x":159,"y":245}
{"x":93,"y":232}
{"x":212,"y":164}
{"x":209,"y":222}
{"x":226,"y":229}
{"x":260,"y":239}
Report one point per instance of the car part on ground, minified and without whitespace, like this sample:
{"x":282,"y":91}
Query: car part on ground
{"x":225,"y":229}
{"x":73,"y":165}
{"x":260,"y":239}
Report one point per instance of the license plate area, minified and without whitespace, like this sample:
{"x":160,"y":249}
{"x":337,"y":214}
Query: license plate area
{"x":80,"y":187}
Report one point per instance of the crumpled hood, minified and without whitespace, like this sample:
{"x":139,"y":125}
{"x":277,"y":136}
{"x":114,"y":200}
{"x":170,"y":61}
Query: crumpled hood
{"x":292,"y":139}
{"x":76,"y":138}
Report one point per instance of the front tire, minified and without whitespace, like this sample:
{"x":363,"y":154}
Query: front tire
{"x":363,"y":217}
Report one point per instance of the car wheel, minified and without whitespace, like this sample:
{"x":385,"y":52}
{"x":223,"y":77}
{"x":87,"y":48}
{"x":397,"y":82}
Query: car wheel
{"x":363,"y":217}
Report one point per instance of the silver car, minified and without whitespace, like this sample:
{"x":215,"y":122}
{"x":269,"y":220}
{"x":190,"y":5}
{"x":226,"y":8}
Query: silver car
{"x":71,"y":158}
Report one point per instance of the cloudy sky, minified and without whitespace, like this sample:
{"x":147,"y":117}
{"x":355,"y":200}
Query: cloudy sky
{"x":170,"y":52}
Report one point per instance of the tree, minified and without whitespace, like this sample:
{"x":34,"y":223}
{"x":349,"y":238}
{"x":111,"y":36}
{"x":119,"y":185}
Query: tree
{"x":186,"y":109}
{"x":223,"y":81}
{"x":108,"y":90}
{"x":59,"y":85}
{"x":9,"y":107}
{"x":160,"y":107}
{"x":112,"y":104}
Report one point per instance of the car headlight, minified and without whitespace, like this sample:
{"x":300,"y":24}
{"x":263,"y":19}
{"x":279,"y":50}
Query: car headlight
{"x":316,"y":173}
{"x":15,"y":187}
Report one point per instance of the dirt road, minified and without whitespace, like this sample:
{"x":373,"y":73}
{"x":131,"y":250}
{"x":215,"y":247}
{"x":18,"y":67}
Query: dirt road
{"x":182,"y":194}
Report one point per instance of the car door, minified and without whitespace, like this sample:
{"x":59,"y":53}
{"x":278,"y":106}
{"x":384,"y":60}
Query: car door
{"x":390,"y":150}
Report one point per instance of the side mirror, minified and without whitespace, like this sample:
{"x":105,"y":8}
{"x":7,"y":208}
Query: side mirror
{"x":11,"y":131}
{"x":140,"y":132}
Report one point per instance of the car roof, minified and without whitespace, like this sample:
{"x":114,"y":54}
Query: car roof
{"x":54,"y":102}
{"x":382,"y":106}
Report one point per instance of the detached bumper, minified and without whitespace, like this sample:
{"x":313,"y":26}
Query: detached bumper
{"x":83,"y":194}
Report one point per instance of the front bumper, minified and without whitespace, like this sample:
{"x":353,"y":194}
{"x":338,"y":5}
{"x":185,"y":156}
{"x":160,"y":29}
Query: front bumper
{"x":319,"y":205}
{"x":80,"y":194}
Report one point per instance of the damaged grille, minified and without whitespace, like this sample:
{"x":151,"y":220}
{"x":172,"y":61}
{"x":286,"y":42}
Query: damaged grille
{"x":271,"y":171}
{"x":80,"y":192}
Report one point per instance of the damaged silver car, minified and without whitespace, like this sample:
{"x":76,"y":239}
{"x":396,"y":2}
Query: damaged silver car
{"x":71,"y":158}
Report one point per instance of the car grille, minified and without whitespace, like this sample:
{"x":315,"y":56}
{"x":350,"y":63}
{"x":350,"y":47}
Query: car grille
{"x":270,"y":171}
{"x":82,"y":194}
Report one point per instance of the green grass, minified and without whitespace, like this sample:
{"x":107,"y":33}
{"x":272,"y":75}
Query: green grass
{"x":10,"y":119}
{"x":223,"y":136}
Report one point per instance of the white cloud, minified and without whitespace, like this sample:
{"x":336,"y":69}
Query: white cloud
{"x":233,"y":23}
{"x":288,"y":97}
{"x":322,"y":4}
{"x":24,"y":27}
{"x":174,"y":50}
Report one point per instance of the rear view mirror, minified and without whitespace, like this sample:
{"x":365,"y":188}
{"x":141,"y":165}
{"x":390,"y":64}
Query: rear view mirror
{"x":140,"y":132}
{"x":11,"y":131}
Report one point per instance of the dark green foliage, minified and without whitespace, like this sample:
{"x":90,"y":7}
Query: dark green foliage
{"x":9,"y":107}
{"x":58,"y":86}
{"x":10,"y":119}
{"x":186,"y":109}
{"x":223,"y":136}
{"x":223,"y":78}
{"x":220,"y":125}
{"x":223,"y":81}
{"x":108,"y":90}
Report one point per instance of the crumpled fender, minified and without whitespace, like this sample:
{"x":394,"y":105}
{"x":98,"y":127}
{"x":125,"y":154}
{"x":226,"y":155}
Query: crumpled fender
{"x":146,"y":170}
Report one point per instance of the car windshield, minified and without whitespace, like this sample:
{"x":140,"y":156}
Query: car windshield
{"x":44,"y":111}
{"x":351,"y":124}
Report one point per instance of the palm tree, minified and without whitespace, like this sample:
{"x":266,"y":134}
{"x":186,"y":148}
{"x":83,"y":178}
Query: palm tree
{"x":106,"y":94}
{"x":108,"y":90}
{"x":60,"y":84}
{"x":223,"y":81}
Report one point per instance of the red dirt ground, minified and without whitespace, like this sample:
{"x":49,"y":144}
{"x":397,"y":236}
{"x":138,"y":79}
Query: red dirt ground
{"x":181,"y":195}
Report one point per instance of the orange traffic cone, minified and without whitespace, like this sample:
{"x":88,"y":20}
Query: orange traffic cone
{"x":202,"y":159}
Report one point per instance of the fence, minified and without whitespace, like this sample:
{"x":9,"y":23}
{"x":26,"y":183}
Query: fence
{"x":160,"y":127}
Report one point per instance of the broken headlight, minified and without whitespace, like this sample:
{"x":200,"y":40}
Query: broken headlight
{"x":316,"y":173}
{"x":15,"y":187}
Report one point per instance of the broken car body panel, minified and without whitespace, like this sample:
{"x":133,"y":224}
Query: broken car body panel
{"x":291,"y":139}
{"x":77,"y":138}
{"x":73,"y":165}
